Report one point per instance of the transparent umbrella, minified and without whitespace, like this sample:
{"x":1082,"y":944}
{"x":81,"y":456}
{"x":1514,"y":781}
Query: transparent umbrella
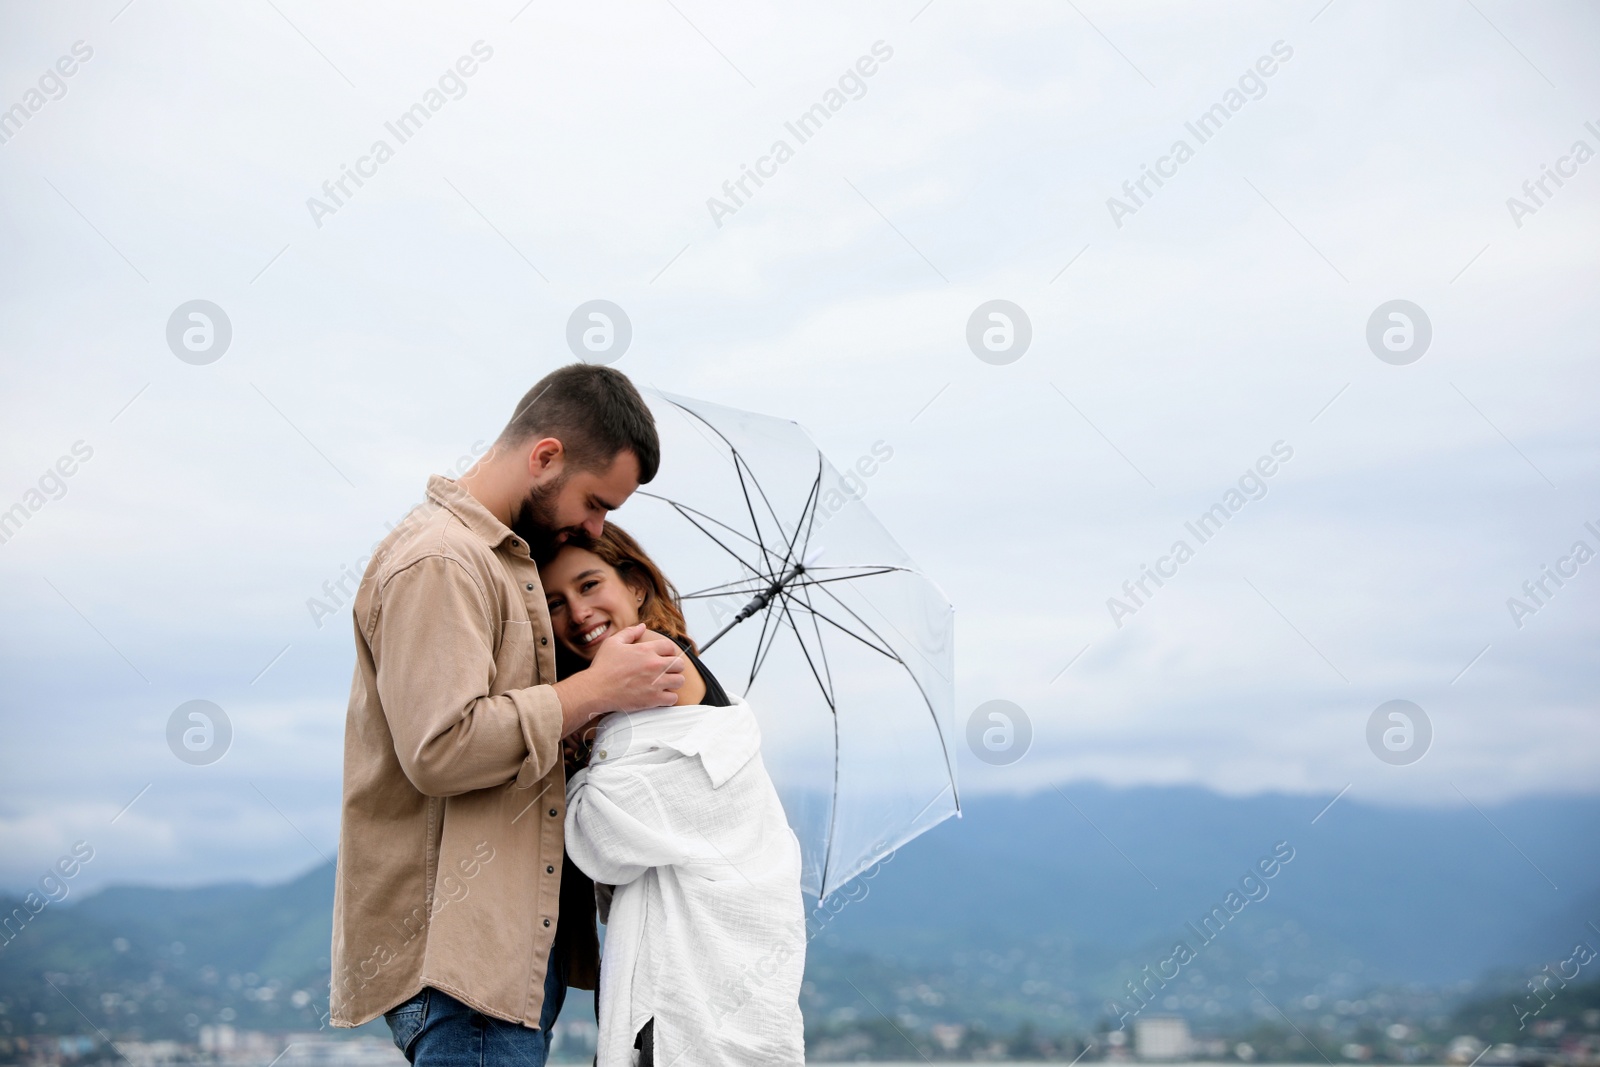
{"x":801,"y":601}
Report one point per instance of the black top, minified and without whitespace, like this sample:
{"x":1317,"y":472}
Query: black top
{"x":716,"y":696}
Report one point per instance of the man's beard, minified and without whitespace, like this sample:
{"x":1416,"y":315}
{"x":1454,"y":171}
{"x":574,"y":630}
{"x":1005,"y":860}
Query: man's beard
{"x":535,"y":522}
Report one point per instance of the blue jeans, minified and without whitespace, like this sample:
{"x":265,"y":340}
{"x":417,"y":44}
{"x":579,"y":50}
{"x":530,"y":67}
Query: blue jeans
{"x":434,"y":1029}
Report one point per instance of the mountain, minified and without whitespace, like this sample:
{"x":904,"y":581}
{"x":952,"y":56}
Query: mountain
{"x":159,"y":962}
{"x":1420,"y":895}
{"x":1043,"y":907}
{"x":1034,"y":909}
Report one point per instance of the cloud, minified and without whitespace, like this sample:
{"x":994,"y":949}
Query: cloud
{"x":1227,"y":314}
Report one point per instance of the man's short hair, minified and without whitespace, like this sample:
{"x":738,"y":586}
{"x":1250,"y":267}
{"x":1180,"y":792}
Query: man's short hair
{"x":595,"y":412}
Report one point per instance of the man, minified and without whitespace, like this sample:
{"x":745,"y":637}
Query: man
{"x":448,"y":896}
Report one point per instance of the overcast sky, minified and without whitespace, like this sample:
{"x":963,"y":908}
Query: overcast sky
{"x":1178,"y":336}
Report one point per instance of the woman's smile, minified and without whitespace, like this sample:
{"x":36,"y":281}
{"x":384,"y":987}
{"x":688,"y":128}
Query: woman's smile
{"x":597,"y":589}
{"x":593,"y":635}
{"x":589,"y":601}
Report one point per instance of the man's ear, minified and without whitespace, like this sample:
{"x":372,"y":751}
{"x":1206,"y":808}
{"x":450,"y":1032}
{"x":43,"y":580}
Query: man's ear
{"x":546,"y":457}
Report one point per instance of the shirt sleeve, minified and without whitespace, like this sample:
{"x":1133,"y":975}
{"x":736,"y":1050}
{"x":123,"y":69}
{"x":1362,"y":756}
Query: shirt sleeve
{"x":433,"y":643}
{"x":617,"y":828}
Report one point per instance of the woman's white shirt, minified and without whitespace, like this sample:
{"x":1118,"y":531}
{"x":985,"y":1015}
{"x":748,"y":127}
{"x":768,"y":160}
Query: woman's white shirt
{"x":706,"y":926}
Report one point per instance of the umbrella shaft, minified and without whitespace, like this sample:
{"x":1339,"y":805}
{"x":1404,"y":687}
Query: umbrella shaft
{"x":759,"y":601}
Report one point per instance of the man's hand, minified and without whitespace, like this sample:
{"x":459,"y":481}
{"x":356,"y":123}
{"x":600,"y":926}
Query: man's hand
{"x":632,"y":671}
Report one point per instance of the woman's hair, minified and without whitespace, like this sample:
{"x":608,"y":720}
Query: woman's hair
{"x":660,"y":610}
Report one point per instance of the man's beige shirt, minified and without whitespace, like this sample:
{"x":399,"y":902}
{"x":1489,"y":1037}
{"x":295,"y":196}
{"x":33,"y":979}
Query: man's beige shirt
{"x":450,"y":849}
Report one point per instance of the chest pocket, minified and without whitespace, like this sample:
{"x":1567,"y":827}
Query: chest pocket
{"x":514,"y":660}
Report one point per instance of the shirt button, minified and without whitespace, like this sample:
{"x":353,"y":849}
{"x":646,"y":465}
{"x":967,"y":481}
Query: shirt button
{"x":543,"y":640}
{"x":601,"y":753}
{"x":552,"y":811}
{"x":530,"y":587}
{"x":547,"y":922}
{"x":549,"y":869}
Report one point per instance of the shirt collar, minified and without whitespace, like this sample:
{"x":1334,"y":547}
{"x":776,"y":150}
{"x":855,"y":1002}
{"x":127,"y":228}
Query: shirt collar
{"x":724,"y":739}
{"x":448,"y":494}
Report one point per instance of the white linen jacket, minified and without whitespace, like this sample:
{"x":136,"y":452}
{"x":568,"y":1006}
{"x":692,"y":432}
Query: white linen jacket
{"x":706,"y":927}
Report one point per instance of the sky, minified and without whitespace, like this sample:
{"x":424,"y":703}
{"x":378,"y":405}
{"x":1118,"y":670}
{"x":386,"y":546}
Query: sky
{"x":1182,"y":333}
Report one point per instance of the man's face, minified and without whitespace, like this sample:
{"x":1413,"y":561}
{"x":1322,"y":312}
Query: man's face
{"x":569,"y":501}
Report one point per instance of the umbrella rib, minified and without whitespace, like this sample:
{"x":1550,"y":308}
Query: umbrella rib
{"x":722,"y":590}
{"x":822,"y":648}
{"x":809,"y":515}
{"x":784,"y":562}
{"x":827,"y":690}
{"x":739,"y":468}
{"x":944,"y":745}
{"x":687,"y":413}
{"x":808,"y":580}
{"x":752,"y":583}
{"x":685,"y":510}
{"x":762,"y":653}
{"x":874,"y":567}
{"x":938,"y":728}
{"x":829,"y":593}
{"x":833,"y":816}
{"x":739,"y":457}
{"x":833,"y":800}
{"x":808,"y":508}
{"x":883,"y":650}
{"x":814,"y":495}
{"x":822,"y":651}
{"x":758,"y":574}
{"x":949,"y":768}
{"x":707,"y":422}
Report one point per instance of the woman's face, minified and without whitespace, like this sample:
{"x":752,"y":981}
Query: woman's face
{"x":589,"y":602}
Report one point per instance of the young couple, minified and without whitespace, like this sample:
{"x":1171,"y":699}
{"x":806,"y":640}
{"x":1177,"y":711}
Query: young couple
{"x":530,"y":737}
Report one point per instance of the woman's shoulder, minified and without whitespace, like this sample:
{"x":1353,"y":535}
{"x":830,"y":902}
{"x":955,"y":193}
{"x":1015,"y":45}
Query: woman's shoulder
{"x":691,"y":662}
{"x":682,"y":642}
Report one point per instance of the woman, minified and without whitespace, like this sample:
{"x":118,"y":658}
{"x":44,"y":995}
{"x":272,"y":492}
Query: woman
{"x":705,"y":929}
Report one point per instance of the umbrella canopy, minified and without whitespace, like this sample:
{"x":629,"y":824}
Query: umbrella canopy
{"x":801,"y":600}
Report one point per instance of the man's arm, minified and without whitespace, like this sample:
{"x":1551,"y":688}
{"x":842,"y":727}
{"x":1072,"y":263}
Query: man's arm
{"x":434,"y":647}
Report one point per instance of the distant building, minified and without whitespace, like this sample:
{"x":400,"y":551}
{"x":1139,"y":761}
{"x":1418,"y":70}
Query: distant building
{"x":948,"y":1035}
{"x":215,"y":1039}
{"x":1162,"y":1037}
{"x":152,"y":1053}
